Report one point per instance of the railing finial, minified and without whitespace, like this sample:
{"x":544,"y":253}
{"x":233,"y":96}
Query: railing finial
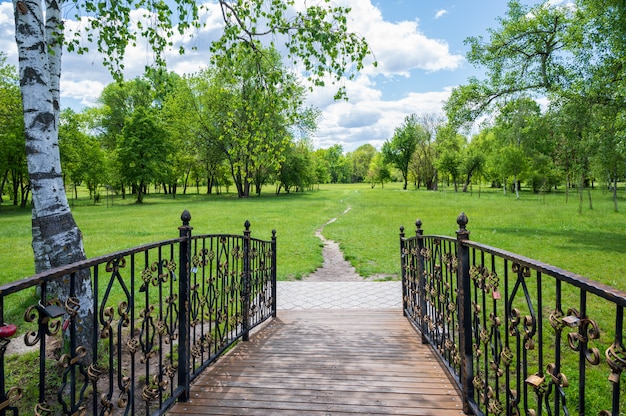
{"x":462,"y":233}
{"x":418,"y":227}
{"x":247,"y":225}
{"x":185,"y":217}
{"x":462,"y":220}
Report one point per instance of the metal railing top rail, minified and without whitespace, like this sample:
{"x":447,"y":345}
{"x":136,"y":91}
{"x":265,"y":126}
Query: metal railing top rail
{"x":58,"y":272}
{"x":588,"y":285}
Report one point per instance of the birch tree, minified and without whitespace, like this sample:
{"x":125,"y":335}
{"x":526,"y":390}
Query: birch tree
{"x":317,"y":36}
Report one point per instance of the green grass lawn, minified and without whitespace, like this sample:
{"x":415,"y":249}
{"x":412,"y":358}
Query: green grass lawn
{"x":543,"y":227}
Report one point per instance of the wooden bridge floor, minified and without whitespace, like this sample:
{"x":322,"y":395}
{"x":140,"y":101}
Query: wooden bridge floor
{"x":328,"y":362}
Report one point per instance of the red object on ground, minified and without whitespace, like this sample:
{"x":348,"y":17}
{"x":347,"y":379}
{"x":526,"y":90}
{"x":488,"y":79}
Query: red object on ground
{"x":7,"y":330}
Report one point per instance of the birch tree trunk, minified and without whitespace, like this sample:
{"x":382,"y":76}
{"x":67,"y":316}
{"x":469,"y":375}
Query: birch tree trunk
{"x":57,"y":240}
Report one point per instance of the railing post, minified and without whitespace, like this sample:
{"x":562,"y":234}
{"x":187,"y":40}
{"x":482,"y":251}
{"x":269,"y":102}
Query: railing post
{"x":246,"y":282}
{"x":183,"y":295}
{"x":421,"y":278}
{"x":274,"y":304}
{"x":403,"y":260}
{"x":465,"y":318}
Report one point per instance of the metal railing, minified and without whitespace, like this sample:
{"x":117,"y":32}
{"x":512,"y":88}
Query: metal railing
{"x":518,"y":336}
{"x":163,"y":312}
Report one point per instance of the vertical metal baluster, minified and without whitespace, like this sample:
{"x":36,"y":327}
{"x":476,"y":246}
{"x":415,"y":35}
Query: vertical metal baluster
{"x":95,"y":338}
{"x":557,"y":348}
{"x":246,"y":282}
{"x":465,"y":317}
{"x":183,"y":295}
{"x":274,"y":300}
{"x":420,"y":278}
{"x":619,"y":325}
{"x":540,"y":364}
{"x":582,"y":354}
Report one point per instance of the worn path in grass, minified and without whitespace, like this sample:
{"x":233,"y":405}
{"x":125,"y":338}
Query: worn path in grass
{"x":337,"y":285}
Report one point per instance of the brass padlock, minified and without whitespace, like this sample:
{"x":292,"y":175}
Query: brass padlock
{"x":614,"y":377}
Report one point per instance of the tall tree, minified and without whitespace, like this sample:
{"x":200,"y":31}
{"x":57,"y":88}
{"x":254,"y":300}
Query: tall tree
{"x":141,"y":151}
{"x":400,"y":149}
{"x":378,"y":171}
{"x":12,"y":153}
{"x":450,"y":146}
{"x":515,"y":125}
{"x":337,"y":163}
{"x":82,"y":157}
{"x":250,"y":111}
{"x":360,"y":160}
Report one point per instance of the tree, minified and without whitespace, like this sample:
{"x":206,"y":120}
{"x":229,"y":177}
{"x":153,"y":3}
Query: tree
{"x":449,"y":147}
{"x":251,"y":112}
{"x":12,"y":152}
{"x":523,"y":55}
{"x":337,"y":164}
{"x":378,"y":171}
{"x":194,"y":112}
{"x":574,"y":57}
{"x":297,"y":171}
{"x":609,"y":131}
{"x":400,"y":149}
{"x":141,"y":151}
{"x":472,"y":164}
{"x":360,"y":160}
{"x":515,"y":125}
{"x":82,"y":157}
{"x":322,"y":175}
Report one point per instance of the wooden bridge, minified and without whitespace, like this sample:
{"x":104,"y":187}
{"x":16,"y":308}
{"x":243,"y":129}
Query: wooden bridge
{"x":327,"y":361}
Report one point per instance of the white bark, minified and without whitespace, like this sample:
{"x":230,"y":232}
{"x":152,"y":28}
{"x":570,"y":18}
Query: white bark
{"x":57,"y":240}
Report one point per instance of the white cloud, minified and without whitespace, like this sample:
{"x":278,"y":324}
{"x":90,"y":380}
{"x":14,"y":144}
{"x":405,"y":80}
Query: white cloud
{"x":440,"y":13}
{"x":399,"y":47}
{"x":7,"y":32}
{"x":86,"y":92}
{"x":370,"y":120}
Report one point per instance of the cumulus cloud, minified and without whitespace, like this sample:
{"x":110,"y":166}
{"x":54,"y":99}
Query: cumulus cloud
{"x":399,"y":47}
{"x":372,"y":120}
{"x":86,"y":92}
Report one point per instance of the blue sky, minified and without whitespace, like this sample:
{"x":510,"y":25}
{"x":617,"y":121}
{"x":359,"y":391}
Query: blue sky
{"x":417,"y":43}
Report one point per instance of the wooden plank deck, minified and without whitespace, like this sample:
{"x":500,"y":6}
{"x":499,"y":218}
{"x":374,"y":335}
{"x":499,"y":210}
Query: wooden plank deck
{"x":327,"y":362}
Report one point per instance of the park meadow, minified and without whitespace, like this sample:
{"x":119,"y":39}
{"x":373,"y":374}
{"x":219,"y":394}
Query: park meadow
{"x":546,"y":227}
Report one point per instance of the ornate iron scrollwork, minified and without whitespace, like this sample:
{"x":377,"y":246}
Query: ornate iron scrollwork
{"x":587,"y":330}
{"x":47,"y":318}
{"x":616,"y":359}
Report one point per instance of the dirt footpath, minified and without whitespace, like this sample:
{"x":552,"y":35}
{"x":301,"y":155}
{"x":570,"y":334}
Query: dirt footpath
{"x":335,"y":267}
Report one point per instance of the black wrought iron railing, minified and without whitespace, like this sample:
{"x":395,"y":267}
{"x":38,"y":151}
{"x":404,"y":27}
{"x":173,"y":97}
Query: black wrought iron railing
{"x":163,"y":312}
{"x":519,"y":336}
